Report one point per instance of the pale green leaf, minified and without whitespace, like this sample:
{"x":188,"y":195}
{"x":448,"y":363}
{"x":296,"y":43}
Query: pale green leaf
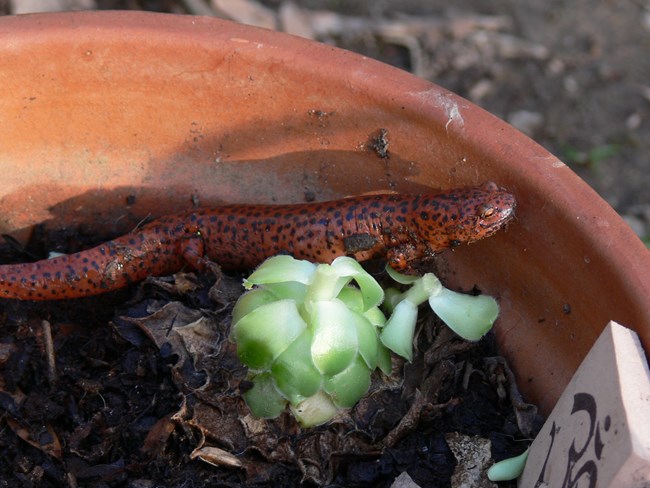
{"x":249,"y":301}
{"x":348,"y":386}
{"x":421,"y":288}
{"x":508,"y":469}
{"x":372,"y":292}
{"x":368,"y":340}
{"x":401,"y":278}
{"x":315,"y":410}
{"x":263,"y":399}
{"x":471,"y":317}
{"x":263,"y":334}
{"x":294,"y":372}
{"x":279,"y":269}
{"x":397,"y":334}
{"x":375,"y":316}
{"x":352,"y":298}
{"x":287,"y":289}
{"x":384,"y":361}
{"x":326,"y":284}
{"x":335,"y":342}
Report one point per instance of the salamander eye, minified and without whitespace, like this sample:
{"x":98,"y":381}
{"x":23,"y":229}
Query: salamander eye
{"x":487,"y":212}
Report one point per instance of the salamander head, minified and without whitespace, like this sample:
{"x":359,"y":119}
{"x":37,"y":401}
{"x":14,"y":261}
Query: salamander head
{"x":467,"y":215}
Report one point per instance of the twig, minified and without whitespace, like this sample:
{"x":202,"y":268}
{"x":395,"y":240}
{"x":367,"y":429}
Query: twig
{"x":49,"y":352}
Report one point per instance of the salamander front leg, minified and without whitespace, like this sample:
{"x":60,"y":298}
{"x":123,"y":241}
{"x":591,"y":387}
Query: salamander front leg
{"x":404,"y":255}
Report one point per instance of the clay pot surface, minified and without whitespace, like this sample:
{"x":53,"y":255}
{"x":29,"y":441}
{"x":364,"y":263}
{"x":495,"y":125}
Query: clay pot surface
{"x":108,"y":117}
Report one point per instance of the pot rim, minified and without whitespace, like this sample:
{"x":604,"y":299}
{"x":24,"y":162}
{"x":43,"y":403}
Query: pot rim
{"x":528,"y":170}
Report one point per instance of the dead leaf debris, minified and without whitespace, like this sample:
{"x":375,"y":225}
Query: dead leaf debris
{"x":151,"y":390}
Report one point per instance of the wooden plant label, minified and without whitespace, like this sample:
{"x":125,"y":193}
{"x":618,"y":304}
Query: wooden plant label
{"x":598,"y":434}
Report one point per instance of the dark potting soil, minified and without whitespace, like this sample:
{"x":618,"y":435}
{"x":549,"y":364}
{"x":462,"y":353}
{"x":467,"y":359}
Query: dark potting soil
{"x":141,"y":388}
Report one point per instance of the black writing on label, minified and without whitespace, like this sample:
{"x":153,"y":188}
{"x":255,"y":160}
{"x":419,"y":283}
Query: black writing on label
{"x":581,"y":467}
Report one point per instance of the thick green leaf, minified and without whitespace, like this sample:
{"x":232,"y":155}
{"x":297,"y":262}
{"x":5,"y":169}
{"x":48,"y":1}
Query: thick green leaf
{"x":335,"y":342}
{"x":326,"y":284}
{"x":263,"y":399}
{"x":264,"y":334}
{"x":315,"y":410}
{"x":384,"y":361}
{"x":421,"y":289}
{"x":249,"y":301}
{"x":352,"y":298}
{"x":508,"y":469}
{"x":288,"y":289}
{"x":348,"y":386}
{"x":294,"y":372}
{"x":368,"y":340}
{"x":397,"y":334}
{"x":372,"y":292}
{"x":280,"y":269}
{"x":471,"y":317}
{"x":375,"y":316}
{"x":401,"y":278}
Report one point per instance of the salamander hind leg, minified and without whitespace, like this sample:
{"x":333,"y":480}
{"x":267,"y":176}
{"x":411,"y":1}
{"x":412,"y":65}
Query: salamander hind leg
{"x":192,"y":248}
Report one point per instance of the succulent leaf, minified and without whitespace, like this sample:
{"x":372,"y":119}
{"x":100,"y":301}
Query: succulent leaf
{"x":263,"y":399}
{"x":280,"y":269}
{"x":368,"y":340}
{"x":471,"y":317}
{"x":348,"y":386}
{"x":294,"y":373}
{"x":263,"y":334}
{"x":251,"y":300}
{"x":335,"y":342}
{"x":312,"y":337}
{"x":397,"y":334}
{"x":315,"y":410}
{"x":371,"y":291}
{"x":352,"y":298}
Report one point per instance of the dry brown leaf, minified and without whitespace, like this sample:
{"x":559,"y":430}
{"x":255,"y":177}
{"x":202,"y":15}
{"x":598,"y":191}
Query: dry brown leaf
{"x":47,"y":442}
{"x":216,"y":457}
{"x":158,"y":435}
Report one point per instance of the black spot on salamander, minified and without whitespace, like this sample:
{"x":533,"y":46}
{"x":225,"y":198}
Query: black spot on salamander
{"x":359,"y":242}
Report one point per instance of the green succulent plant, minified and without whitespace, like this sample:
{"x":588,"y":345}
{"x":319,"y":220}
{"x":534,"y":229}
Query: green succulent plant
{"x":312,"y":334}
{"x":508,"y":469}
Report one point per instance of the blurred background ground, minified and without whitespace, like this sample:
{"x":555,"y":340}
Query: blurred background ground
{"x":575,"y":76}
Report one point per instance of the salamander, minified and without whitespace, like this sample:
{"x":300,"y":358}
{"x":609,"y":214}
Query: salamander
{"x":398,"y":227}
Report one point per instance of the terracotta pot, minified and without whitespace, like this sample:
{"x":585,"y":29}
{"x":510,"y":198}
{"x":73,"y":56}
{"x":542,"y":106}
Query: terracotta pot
{"x":108,"y":117}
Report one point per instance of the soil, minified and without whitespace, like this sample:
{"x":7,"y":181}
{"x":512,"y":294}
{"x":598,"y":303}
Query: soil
{"x":88,"y":398}
{"x":141,"y":387}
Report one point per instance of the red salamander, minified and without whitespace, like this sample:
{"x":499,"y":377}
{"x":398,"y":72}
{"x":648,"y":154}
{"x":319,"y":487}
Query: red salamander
{"x":401,"y":228}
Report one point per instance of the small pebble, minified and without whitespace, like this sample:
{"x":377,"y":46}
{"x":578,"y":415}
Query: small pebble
{"x":404,"y":481}
{"x":480,"y":90}
{"x":633,"y":122}
{"x":571,"y":85}
{"x":526,"y":121}
{"x":638,"y":226}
